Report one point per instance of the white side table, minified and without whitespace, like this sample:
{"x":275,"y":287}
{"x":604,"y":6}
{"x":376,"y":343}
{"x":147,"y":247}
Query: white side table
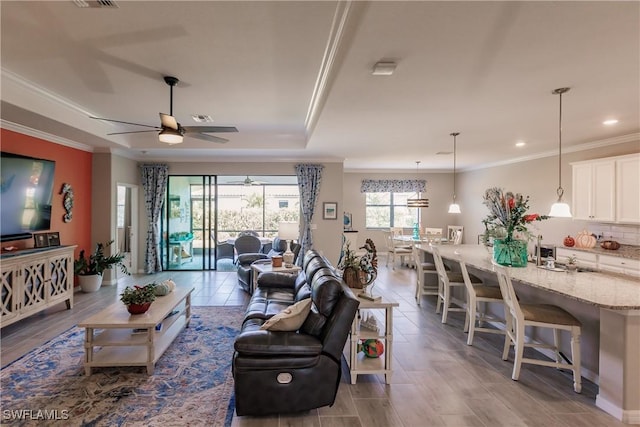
{"x":266,"y":267}
{"x":358,"y":362}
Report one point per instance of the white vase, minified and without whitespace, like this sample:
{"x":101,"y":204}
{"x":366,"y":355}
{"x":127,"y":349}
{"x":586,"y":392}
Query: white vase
{"x":90,"y":283}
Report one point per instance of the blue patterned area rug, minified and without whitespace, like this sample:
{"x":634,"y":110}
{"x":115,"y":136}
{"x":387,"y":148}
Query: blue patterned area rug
{"x":191,"y":385}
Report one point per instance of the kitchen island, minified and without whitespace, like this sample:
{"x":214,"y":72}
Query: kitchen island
{"x":615,"y":300}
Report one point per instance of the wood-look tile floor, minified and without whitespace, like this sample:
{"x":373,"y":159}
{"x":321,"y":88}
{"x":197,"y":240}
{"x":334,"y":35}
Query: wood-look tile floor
{"x":438,"y":380}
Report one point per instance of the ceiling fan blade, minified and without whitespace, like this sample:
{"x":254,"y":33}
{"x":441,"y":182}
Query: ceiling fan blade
{"x":210,"y":129}
{"x":120,"y":121}
{"x":206,"y":137}
{"x":168,"y":121}
{"x":133,"y":131}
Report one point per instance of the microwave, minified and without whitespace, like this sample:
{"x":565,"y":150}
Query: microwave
{"x":547,"y":251}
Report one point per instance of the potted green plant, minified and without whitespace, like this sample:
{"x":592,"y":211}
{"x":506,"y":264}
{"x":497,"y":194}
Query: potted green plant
{"x":89,"y":269}
{"x":139,"y":298}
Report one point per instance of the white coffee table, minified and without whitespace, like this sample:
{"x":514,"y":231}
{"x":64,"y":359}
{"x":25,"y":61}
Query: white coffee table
{"x":113,"y":330}
{"x":258,"y":268}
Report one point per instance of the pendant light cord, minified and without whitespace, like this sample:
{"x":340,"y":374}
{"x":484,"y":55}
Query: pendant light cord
{"x":560,"y":190}
{"x":559,"y":92}
{"x":454,"y":134}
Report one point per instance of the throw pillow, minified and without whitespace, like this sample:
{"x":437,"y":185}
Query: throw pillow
{"x":289,"y":319}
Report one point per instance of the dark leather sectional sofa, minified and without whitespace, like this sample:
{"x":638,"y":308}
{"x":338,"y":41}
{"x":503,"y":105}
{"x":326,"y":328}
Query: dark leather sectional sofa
{"x":285,"y":372}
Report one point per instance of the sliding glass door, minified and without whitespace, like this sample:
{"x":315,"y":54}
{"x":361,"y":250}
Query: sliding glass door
{"x":204,"y":213}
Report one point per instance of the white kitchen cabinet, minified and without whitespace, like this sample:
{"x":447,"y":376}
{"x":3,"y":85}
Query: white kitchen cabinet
{"x":616,"y":264}
{"x":628,"y":189}
{"x":594,"y":190}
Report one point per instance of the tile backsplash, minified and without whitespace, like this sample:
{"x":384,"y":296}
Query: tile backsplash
{"x":621,"y":233}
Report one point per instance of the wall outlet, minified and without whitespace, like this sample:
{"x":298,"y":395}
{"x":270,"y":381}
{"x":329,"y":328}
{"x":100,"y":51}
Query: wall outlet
{"x":313,"y":226}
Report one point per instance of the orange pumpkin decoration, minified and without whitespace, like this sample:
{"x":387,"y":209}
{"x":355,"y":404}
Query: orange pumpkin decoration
{"x":585,"y":240}
{"x":569,"y":241}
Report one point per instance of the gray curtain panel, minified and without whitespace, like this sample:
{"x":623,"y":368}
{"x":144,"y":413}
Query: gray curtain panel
{"x":154,"y":182}
{"x":309,"y":178}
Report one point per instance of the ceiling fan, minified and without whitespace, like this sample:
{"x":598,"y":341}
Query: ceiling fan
{"x":247,"y":182}
{"x":172,"y":132}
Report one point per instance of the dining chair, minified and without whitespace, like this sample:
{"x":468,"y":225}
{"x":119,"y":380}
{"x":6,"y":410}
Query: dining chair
{"x":520,"y":316}
{"x":448,"y":280}
{"x":477,"y":297}
{"x":424,"y":270}
{"x":393,"y":250}
{"x":454,"y":234}
{"x":433,"y":235}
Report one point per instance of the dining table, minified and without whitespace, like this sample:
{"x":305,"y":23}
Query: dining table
{"x":608,"y":305}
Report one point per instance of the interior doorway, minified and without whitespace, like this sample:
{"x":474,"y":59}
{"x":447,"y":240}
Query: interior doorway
{"x":126,"y":240}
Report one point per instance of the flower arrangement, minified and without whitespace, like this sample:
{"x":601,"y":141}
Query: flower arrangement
{"x":508,"y":214}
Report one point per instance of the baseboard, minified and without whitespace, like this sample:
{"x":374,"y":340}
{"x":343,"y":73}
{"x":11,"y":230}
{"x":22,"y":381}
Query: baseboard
{"x":627,"y":417}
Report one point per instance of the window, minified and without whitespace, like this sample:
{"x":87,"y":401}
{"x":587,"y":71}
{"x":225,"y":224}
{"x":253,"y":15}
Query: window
{"x":259,"y":207}
{"x":384,"y":210}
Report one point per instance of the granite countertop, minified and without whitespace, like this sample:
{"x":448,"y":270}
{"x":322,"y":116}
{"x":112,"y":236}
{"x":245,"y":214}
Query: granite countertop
{"x":604,"y":290}
{"x":625,"y":251}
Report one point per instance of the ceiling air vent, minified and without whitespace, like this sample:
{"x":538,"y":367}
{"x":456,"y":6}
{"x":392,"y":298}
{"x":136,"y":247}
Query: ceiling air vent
{"x":103,"y":4}
{"x":444,"y":153}
{"x":202,"y":118}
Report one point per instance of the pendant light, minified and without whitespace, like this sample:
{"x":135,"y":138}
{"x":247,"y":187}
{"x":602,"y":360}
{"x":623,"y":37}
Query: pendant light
{"x":419,"y":202}
{"x":560,"y":208}
{"x":454,"y":208}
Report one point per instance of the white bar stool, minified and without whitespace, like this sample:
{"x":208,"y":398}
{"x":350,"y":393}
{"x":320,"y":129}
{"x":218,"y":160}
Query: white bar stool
{"x":447,"y":281}
{"x":519,"y":316}
{"x":477,"y":295}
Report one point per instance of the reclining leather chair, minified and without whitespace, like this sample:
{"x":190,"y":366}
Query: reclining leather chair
{"x":245,"y":273}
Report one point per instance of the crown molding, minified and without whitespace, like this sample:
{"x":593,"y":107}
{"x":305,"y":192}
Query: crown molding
{"x":15,"y":127}
{"x":346,"y":16}
{"x":572,"y":149}
{"x":44,"y":93}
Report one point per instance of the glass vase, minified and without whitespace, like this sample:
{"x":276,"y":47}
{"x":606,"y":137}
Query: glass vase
{"x":510,"y":252}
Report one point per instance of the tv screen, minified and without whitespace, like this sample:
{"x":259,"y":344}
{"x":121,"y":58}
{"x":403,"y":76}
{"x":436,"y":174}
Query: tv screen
{"x":26,"y":191}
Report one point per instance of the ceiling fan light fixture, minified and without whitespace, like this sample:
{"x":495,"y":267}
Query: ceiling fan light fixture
{"x":170,"y":136}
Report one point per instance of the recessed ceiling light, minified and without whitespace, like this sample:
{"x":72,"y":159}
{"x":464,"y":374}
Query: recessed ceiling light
{"x":610,"y":122}
{"x":520,"y":144}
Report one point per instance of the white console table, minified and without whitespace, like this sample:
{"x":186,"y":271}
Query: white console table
{"x":33,"y":280}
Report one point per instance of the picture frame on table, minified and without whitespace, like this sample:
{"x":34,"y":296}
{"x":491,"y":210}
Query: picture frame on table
{"x":40,"y":240}
{"x":54,"y":238}
{"x":330,"y":210}
{"x":347,"y":221}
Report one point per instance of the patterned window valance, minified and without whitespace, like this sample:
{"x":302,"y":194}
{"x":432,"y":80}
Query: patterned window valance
{"x":393,"y":185}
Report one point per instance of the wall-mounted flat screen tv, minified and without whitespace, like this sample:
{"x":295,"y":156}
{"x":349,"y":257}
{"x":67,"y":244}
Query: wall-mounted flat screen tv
{"x":26,"y":192}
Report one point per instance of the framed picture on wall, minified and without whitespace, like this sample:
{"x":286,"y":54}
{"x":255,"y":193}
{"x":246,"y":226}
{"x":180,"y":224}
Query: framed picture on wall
{"x":41,"y":240}
{"x":330,"y":210}
{"x":54,"y":239}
